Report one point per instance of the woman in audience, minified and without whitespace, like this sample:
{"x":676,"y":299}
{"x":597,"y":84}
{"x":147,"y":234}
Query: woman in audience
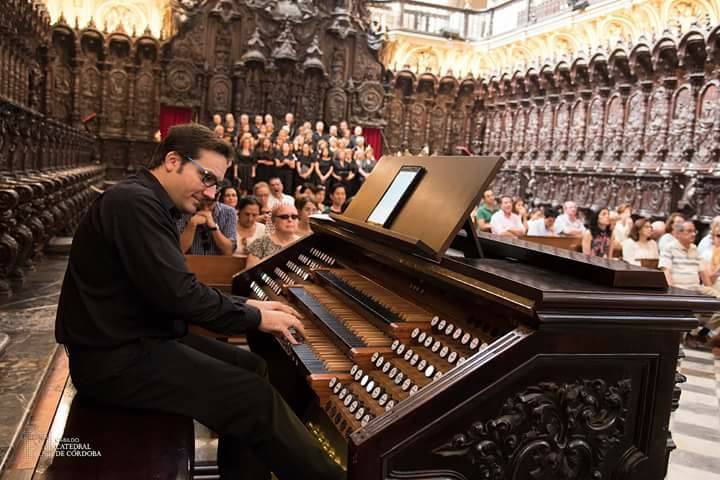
{"x":285,"y":223}
{"x":245,"y":168}
{"x":365,"y":164}
{"x":305,"y":165}
{"x":305,"y":208}
{"x":324,"y":167}
{"x":285,"y":166}
{"x":344,"y":171}
{"x":668,"y":237}
{"x":338,"y":196}
{"x":248,"y":227}
{"x":640,"y":245}
{"x":520,"y":210}
{"x":711,"y":257}
{"x":261,"y":191}
{"x":229,"y":196}
{"x":264,"y":161}
{"x":596,"y":239}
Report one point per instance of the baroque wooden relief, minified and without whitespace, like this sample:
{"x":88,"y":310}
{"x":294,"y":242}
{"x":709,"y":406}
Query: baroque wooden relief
{"x":312,"y":58}
{"x":639,"y":125}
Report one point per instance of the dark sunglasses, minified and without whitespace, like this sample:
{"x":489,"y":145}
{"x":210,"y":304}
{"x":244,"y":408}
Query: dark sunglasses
{"x":287,"y":217}
{"x":207,"y":177}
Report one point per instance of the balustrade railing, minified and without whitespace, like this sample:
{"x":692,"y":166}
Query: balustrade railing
{"x":465,"y":24}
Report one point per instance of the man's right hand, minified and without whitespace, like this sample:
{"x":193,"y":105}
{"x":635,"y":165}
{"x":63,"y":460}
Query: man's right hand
{"x":198,"y":219}
{"x":279,"y":323}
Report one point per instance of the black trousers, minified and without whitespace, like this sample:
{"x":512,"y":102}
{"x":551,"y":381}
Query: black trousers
{"x":222,"y":387}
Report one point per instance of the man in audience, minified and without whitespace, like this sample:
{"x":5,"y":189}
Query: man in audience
{"x":680,"y":259}
{"x":506,"y":223}
{"x":127,"y":300}
{"x":216,"y":120}
{"x":545,"y":226}
{"x":684,"y":268}
{"x":212,"y":230}
{"x":485,"y":211}
{"x":277,"y":197}
{"x":290,"y":124}
{"x":568,"y":224}
{"x":667,"y":238}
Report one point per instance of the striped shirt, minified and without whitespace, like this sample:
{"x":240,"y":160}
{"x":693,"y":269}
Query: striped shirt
{"x":203,"y":243}
{"x":684,"y":264}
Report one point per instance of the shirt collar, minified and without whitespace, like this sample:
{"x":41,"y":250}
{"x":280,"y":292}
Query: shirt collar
{"x":146,"y":178}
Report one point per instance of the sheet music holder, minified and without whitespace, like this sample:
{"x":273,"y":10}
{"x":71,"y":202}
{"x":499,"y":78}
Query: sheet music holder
{"x":421,"y":203}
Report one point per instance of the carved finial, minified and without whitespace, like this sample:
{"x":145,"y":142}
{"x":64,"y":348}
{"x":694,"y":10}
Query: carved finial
{"x":105,"y":27}
{"x":134,"y":31}
{"x":77,"y":22}
{"x":120,"y":28}
{"x":62,"y":20}
{"x":147,"y":32}
{"x":91,"y":24}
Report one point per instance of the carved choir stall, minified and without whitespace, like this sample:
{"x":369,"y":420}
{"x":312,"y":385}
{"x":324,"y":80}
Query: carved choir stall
{"x":46,"y":171}
{"x":434,"y":356}
{"x":316,"y":59}
{"x":637,"y":124}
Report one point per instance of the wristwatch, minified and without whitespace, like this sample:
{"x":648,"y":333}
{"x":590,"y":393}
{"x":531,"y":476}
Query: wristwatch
{"x":212,"y":229}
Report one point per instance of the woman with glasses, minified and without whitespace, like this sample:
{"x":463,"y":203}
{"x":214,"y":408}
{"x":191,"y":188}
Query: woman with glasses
{"x":285,"y":222}
{"x":640,"y":244}
{"x":248,"y":227}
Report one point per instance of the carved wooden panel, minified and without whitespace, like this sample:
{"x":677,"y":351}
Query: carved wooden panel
{"x":655,"y":137}
{"x":707,"y":130}
{"x":418,"y":125}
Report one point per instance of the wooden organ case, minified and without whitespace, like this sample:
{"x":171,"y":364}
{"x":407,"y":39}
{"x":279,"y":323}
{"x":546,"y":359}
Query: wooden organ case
{"x":433,"y":354}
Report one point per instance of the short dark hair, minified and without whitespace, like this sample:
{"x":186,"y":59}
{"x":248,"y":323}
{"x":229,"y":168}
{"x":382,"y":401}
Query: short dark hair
{"x":335,"y":186}
{"x":223,"y":190}
{"x":301,"y":202}
{"x":187,"y":140}
{"x":248,"y":200}
{"x":550,"y":212}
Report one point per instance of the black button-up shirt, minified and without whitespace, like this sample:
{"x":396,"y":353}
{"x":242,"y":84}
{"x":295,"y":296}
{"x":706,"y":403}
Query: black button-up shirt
{"x":127,"y":279}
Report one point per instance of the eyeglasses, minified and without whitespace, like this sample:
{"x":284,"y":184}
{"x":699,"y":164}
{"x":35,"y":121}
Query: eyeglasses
{"x":717,"y":235}
{"x":208,"y":178}
{"x":287,"y":217}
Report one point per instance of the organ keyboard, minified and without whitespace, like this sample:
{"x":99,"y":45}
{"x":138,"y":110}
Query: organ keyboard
{"x":525,"y":363}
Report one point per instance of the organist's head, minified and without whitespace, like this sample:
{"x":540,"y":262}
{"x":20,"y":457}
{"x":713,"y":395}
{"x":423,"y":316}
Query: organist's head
{"x":189,"y":163}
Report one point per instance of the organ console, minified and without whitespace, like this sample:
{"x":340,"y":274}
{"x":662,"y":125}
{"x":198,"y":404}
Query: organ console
{"x":433,"y":354}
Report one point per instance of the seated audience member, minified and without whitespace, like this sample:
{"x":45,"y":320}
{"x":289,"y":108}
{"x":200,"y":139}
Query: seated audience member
{"x":506,"y":223}
{"x":543,"y":226}
{"x":711,"y":257}
{"x":219,"y":131}
{"x":485,"y":211}
{"x":669,"y":235}
{"x":706,"y":244}
{"x":248,"y":227}
{"x":261,"y":191}
{"x":640,"y":245}
{"x":305,"y":208}
{"x":338,"y":197}
{"x":621,"y":229}
{"x":285,"y":223}
{"x":319,"y":195}
{"x":520,"y":209}
{"x":681,"y":261}
{"x":277,"y":195}
{"x":568,"y":224}
{"x":658,"y":227}
{"x":229,"y":196}
{"x":216,"y":120}
{"x":212,"y":230}
{"x":596,"y":239}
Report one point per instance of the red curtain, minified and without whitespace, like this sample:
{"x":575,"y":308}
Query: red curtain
{"x":373,"y":137}
{"x":170,"y":116}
